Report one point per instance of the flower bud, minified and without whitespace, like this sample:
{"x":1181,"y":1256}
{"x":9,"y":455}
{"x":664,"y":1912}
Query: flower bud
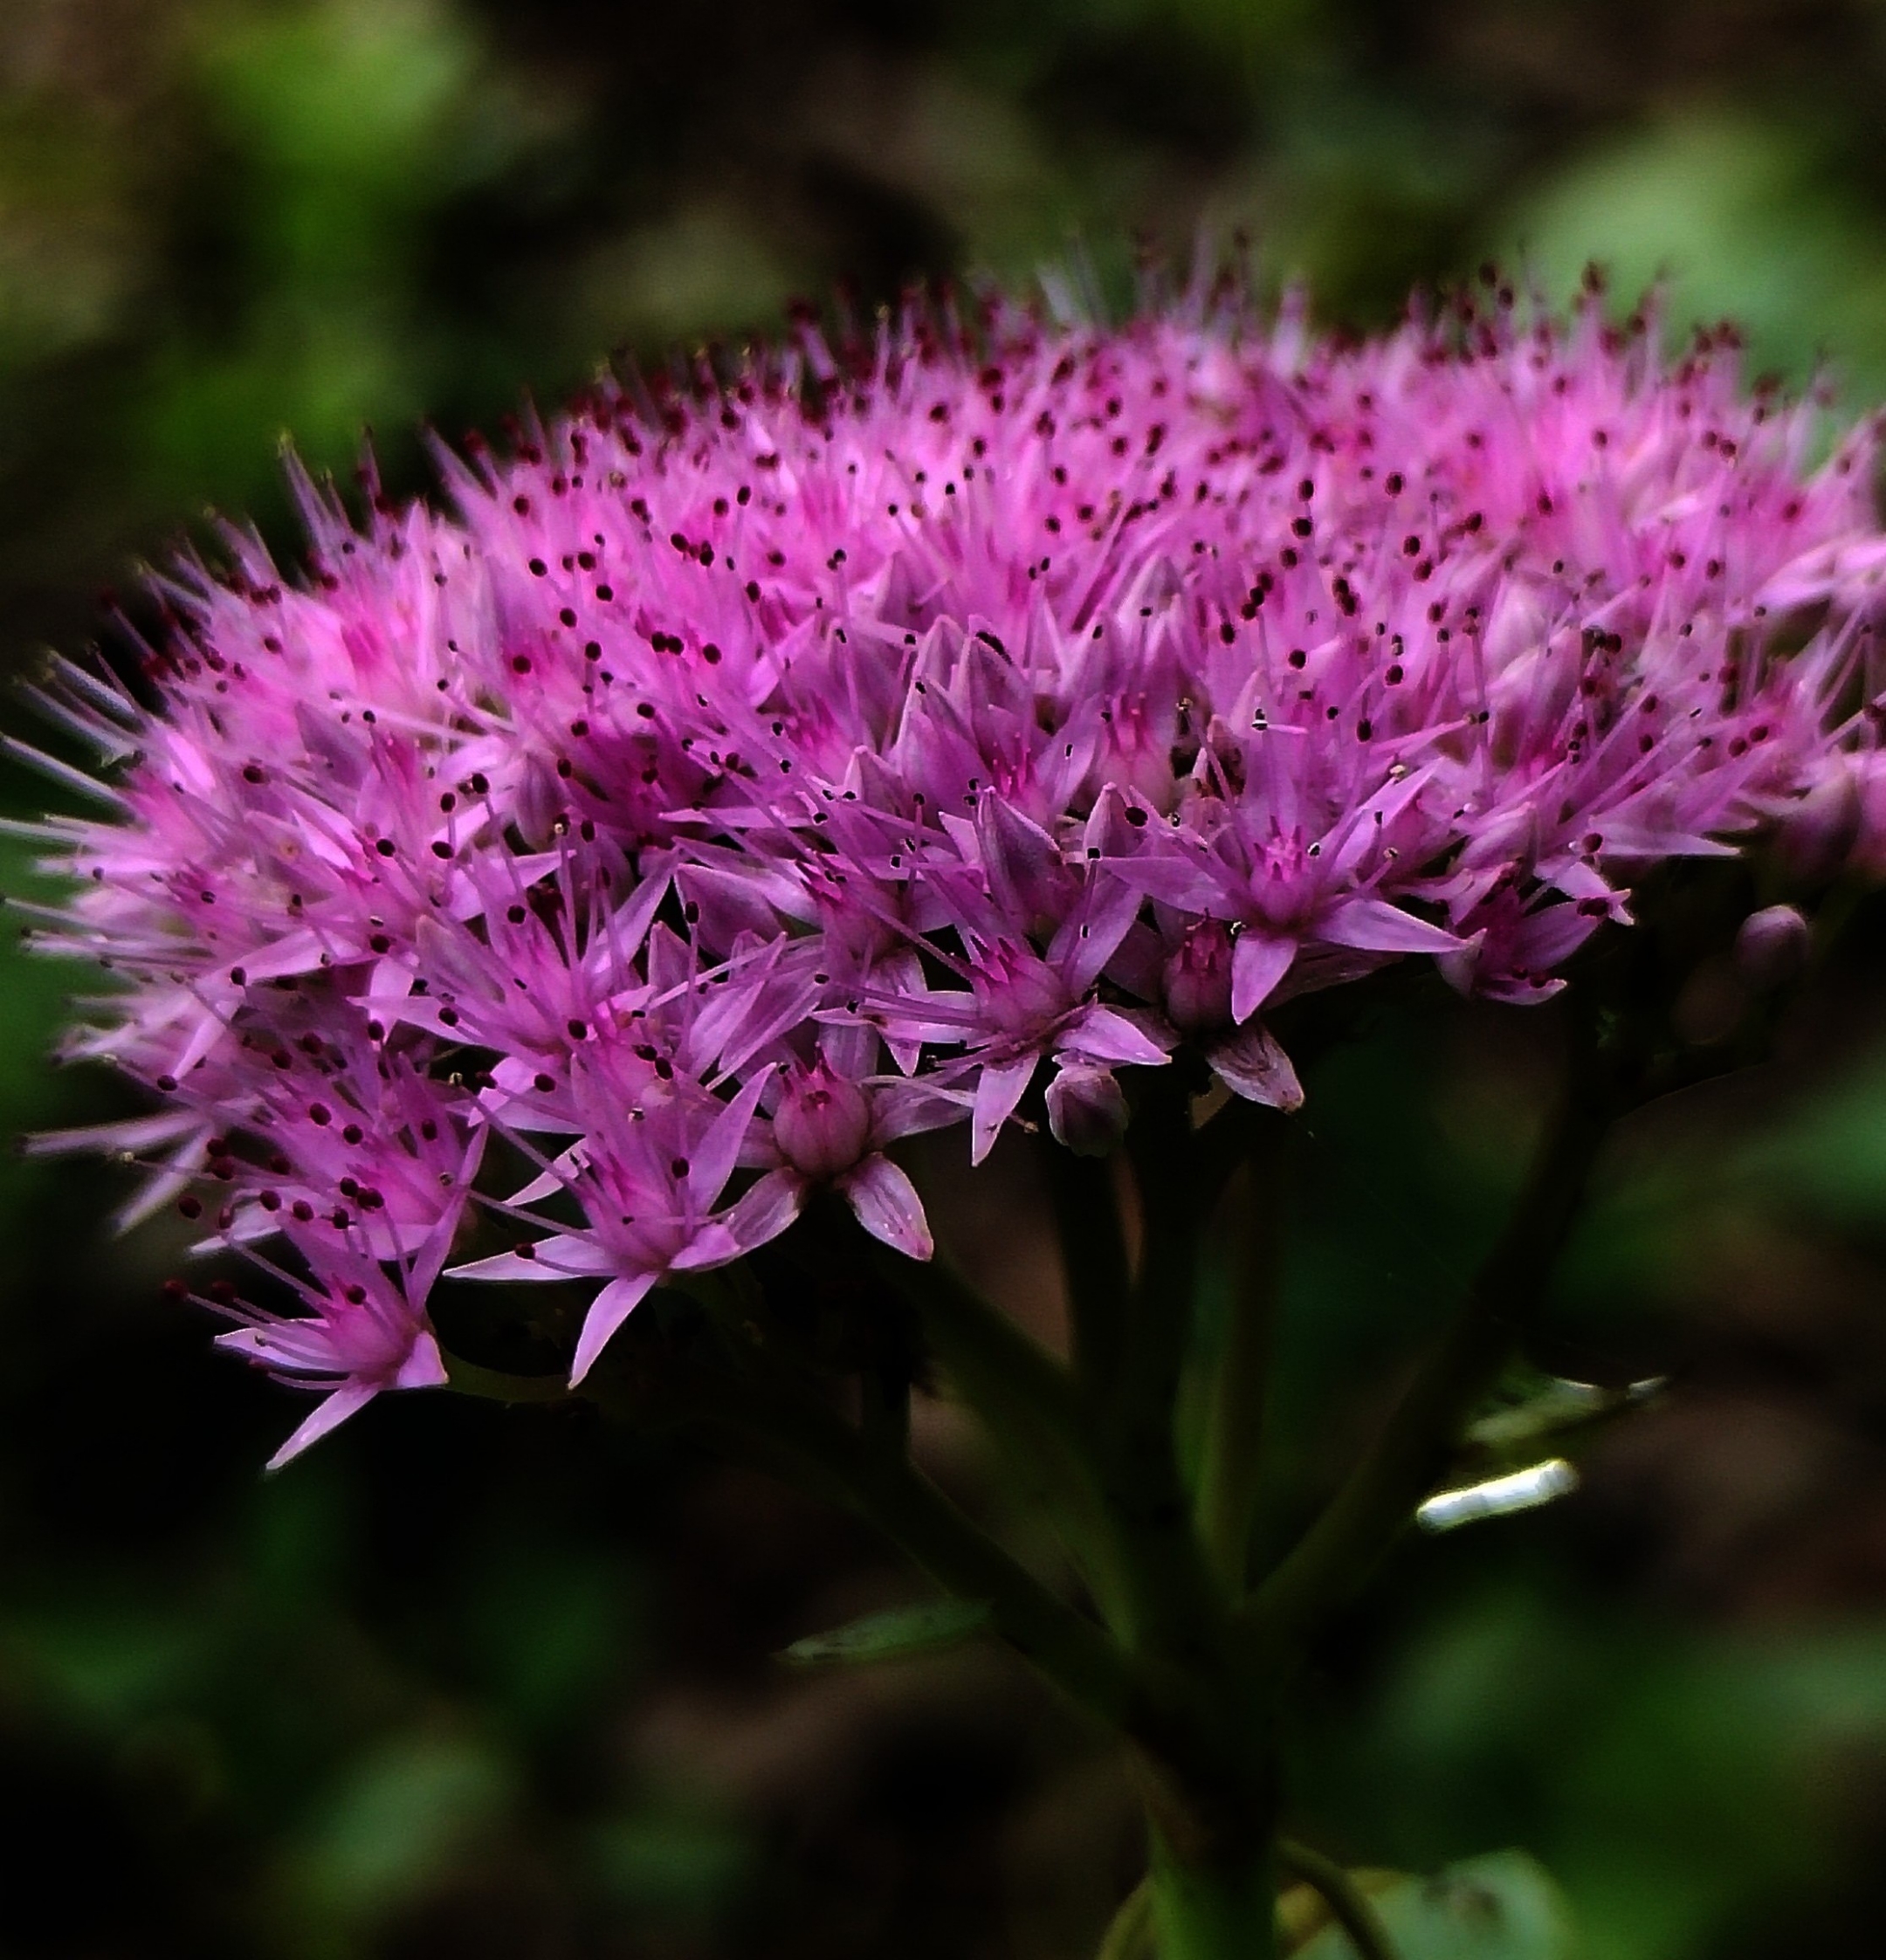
{"x":1819,"y":832}
{"x":1867,"y":858}
{"x":1252,"y":1064}
{"x":539,"y":803}
{"x":823,"y":1123}
{"x":1772,"y":947}
{"x":1198,"y":979}
{"x":1086,"y":1109}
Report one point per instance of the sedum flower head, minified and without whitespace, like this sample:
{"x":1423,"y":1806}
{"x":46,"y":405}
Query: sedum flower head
{"x":737,"y":781}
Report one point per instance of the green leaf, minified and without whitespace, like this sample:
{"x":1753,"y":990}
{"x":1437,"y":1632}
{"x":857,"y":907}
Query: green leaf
{"x":893,"y":1636}
{"x":1549,"y":1408}
{"x":1502,"y":1907}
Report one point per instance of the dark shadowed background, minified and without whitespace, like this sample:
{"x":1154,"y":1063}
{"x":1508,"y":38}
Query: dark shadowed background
{"x":471,"y":1682}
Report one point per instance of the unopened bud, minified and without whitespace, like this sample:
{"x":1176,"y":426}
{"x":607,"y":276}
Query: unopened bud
{"x":1086,"y":1109}
{"x":823,"y":1123}
{"x":1772,"y":946}
{"x":538,"y":804}
{"x":1198,"y":979}
{"x":1252,"y":1064}
{"x":1868,"y":859}
{"x":1820,"y":830}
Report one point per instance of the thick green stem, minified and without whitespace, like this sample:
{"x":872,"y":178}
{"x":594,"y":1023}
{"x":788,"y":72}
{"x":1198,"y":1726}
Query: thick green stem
{"x":1231,"y":1466}
{"x":995,"y":1364}
{"x":1378,"y":1501}
{"x":1178,"y":1612}
{"x":1214,"y":1909}
{"x":1027,"y":1402}
{"x":1093,"y":1260}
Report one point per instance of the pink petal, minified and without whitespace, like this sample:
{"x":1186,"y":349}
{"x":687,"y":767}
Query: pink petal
{"x":1106,"y":1035}
{"x":888,"y":1207}
{"x":1003,"y":1084}
{"x":901,"y":1109}
{"x":608,"y":1311}
{"x":561,"y":1256}
{"x":1091,"y":938}
{"x":713,"y":1245}
{"x":428,"y":1260}
{"x":424,"y":1367}
{"x":766,"y":1210}
{"x":1374,"y":925}
{"x":710,"y":1162}
{"x":333,"y":1411}
{"x":1250,"y":1064}
{"x":1020,"y":859}
{"x":1171,"y":880}
{"x":1259,"y":960}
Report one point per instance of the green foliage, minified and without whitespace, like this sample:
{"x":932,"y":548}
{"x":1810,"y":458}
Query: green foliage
{"x":895,"y":1634}
{"x":1498,"y":1908}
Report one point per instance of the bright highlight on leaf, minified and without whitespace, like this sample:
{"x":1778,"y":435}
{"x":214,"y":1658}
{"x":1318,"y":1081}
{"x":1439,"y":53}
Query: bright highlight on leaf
{"x":1520,"y":1490}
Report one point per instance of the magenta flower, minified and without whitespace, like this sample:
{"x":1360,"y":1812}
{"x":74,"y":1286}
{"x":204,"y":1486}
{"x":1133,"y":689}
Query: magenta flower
{"x":364,"y":1330}
{"x":874,"y":741}
{"x":656,"y":1153}
{"x":832,"y":1119}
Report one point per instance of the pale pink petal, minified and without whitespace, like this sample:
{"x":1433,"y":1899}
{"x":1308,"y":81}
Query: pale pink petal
{"x":562,"y":1256}
{"x":1259,"y":960}
{"x":424,"y":1367}
{"x":763,"y":1212}
{"x":888,"y":1207}
{"x":1085,"y":944}
{"x":1251,"y":1064}
{"x":902,"y":1109}
{"x":333,"y":1410}
{"x":608,"y":1311}
{"x":1002,"y":1085}
{"x":1374,"y":925}
{"x":1020,"y":859}
{"x":710,"y":1162}
{"x":1108,"y":1035}
{"x":713,"y":1245}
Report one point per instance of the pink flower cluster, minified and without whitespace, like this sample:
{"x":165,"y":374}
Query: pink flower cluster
{"x":751,"y":775}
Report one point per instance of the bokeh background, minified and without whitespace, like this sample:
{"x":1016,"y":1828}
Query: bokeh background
{"x":471,"y":1682}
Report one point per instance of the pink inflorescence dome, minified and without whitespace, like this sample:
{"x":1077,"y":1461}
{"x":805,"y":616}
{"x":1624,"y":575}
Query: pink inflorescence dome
{"x":743,"y":779}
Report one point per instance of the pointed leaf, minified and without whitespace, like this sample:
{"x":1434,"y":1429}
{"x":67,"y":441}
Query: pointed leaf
{"x":893,"y":1636}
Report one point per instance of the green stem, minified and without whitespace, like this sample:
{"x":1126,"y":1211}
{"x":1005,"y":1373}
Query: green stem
{"x":1231,"y":1466}
{"x":1222,"y":1910}
{"x":991,"y":1360}
{"x":1378,"y":1500}
{"x":491,"y":1385}
{"x":1070,"y":1649}
{"x":1027,"y":1402}
{"x":1348,"y":1903}
{"x":1093,"y":1260}
{"x":1177,"y":1610}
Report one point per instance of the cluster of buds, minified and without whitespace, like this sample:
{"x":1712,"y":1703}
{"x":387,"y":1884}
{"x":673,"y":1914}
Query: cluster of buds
{"x":743,"y":777}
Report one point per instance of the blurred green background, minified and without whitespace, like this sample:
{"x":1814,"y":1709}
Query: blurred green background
{"x":470,"y":1683}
